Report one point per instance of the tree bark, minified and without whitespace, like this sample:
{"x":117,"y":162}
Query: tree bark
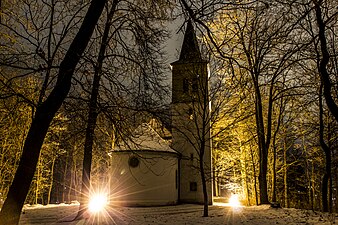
{"x":93,"y":114}
{"x":286,"y":185}
{"x":263,"y":151}
{"x":247,"y":184}
{"x":324,"y":74}
{"x":273,"y":179}
{"x":51,"y":181}
{"x":204,"y":187}
{"x":254,"y":175}
{"x":326,"y":206}
{"x":313,"y":191}
{"x":45,"y":112}
{"x":274,"y":159}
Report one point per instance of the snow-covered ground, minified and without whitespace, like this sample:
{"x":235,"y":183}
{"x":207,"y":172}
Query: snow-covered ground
{"x":181,"y":214}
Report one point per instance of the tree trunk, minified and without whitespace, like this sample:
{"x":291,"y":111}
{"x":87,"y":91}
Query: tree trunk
{"x":51,"y":181}
{"x":313,"y":191}
{"x":307,"y":170}
{"x":66,"y":170}
{"x":244,"y":172}
{"x":263,"y":154}
{"x":72,"y":183}
{"x":335,"y":178}
{"x":247,"y":193}
{"x":92,"y":116}
{"x":286,"y":187}
{"x":11,"y":210}
{"x":327,"y":174}
{"x":274,"y":199}
{"x":204,"y":185}
{"x":274,"y":161}
{"x":215,"y":182}
{"x":254,"y":175}
{"x":325,"y":191}
{"x":324,"y":75}
{"x":37,"y":186}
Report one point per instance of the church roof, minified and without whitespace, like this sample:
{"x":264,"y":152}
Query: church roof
{"x":145,"y":138}
{"x":190,"y":51}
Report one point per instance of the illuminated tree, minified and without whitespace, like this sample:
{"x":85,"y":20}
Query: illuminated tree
{"x":15,"y":119}
{"x":262,"y":49}
{"x":44,"y":114}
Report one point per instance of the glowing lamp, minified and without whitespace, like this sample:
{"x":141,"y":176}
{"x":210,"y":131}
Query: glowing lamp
{"x":97,"y":203}
{"x":234,"y":201}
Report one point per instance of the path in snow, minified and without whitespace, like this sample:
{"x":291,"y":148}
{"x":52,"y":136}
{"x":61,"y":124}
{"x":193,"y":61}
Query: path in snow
{"x":180,"y":214}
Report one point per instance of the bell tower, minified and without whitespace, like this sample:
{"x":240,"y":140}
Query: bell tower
{"x":191,"y":120}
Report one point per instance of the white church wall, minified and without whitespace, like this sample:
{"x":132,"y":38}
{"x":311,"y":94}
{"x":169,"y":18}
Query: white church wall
{"x":144,"y":179}
{"x":187,"y":143}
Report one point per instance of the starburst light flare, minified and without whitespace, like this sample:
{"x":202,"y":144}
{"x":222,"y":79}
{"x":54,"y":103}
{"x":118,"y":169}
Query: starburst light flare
{"x":97,"y":203}
{"x":234,"y":200}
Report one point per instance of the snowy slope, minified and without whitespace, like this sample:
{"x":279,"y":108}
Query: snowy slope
{"x":180,"y":214}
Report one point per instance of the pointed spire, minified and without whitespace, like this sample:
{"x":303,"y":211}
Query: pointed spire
{"x":190,"y":51}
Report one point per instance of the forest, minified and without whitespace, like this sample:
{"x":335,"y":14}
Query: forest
{"x":77,"y":76}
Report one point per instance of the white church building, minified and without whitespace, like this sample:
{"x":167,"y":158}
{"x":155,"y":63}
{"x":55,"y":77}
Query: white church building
{"x":148,"y":170}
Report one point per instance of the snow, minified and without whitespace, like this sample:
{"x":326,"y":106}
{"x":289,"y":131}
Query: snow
{"x":220,"y":213}
{"x":145,"y":138}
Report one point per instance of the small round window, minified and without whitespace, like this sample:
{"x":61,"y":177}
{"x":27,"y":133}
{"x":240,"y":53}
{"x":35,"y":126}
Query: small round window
{"x":134,"y":161}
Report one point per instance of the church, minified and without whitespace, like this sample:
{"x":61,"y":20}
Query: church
{"x":150,"y":170}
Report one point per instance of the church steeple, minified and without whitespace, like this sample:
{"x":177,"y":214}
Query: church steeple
{"x":190,"y":51}
{"x":189,"y":100}
{"x":189,"y":72}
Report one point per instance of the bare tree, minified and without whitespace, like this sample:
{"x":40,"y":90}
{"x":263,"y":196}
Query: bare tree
{"x":10,"y":213}
{"x":322,"y":24}
{"x":93,"y":113}
{"x":15,"y":117}
{"x":143,"y":60}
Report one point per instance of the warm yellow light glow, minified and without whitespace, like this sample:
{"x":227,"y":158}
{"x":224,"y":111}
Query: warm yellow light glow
{"x":97,"y":203}
{"x":234,"y":201}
